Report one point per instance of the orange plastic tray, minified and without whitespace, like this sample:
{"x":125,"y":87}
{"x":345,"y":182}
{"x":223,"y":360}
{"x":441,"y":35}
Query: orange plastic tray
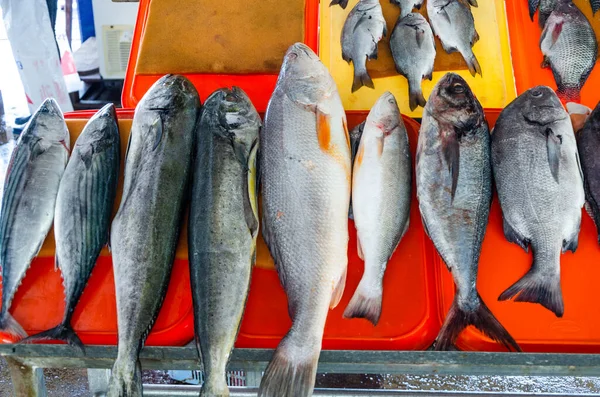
{"x":534,"y":328}
{"x":527,"y":56}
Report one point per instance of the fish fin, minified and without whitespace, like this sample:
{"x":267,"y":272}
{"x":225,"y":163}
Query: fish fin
{"x":342,"y":3}
{"x":39,"y":147}
{"x":11,"y":326}
{"x":533,"y":6}
{"x":291,"y":373}
{"x":595,"y":6}
{"x":86,"y":156}
{"x":157,"y":128}
{"x":338,"y":291}
{"x":374,"y":53}
{"x":444,"y":14}
{"x":451,"y":153}
{"x":473,"y":3}
{"x":420,"y":37}
{"x":416,"y":97}
{"x":128,"y":146}
{"x":473,"y":65}
{"x":572,"y":241}
{"x":475,"y":38}
{"x":362,"y":79}
{"x":63,"y":332}
{"x":512,"y":236}
{"x":545,"y":63}
{"x":250,"y":190}
{"x":568,"y":94}
{"x":323,"y":129}
{"x":365,"y":303}
{"x":537,"y":287}
{"x":125,"y":379}
{"x":553,"y":143}
{"x":482,"y":319}
{"x":359,"y":249}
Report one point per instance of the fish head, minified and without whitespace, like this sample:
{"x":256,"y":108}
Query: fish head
{"x":384,"y":115}
{"x":170,"y":92}
{"x":51,"y":117}
{"x":540,"y":105}
{"x":452,"y":102}
{"x":567,"y":9}
{"x":102,"y":126}
{"x":303,"y":77}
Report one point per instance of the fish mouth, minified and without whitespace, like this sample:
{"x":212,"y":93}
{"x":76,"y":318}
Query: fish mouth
{"x":50,"y":106}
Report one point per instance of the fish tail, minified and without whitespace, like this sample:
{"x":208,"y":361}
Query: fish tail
{"x":214,"y":387}
{"x":342,"y":3}
{"x":569,"y":94}
{"x":481,"y":318}
{"x":11,"y":326}
{"x":361,"y":78}
{"x":291,"y":372}
{"x":365,"y":303}
{"x":537,"y":287}
{"x":125,"y":379}
{"x":416,"y":97}
{"x":473,"y":64}
{"x":63,"y":332}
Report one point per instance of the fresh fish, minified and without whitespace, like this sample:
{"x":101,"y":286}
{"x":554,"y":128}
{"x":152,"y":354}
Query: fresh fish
{"x":588,"y":146}
{"x":381,"y":185}
{"x":84,"y":206}
{"x":36,"y":167}
{"x":223,"y":227}
{"x":454,"y":188}
{"x":342,"y":3}
{"x":305,"y":168}
{"x":355,"y":136}
{"x":540,"y":187}
{"x":363,"y":29}
{"x":145,"y":230}
{"x":570,"y":49}
{"x":452,"y":21}
{"x":406,"y":6}
{"x":413,"y":49}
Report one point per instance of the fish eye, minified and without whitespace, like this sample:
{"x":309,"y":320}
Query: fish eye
{"x":536,"y":93}
{"x":293,"y":55}
{"x":458,"y":88}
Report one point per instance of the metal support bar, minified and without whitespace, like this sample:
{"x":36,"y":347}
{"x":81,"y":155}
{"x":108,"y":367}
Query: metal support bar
{"x":27,"y":381}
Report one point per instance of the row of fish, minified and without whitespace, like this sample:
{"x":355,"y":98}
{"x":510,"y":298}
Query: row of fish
{"x":568,"y":43}
{"x":412,"y":40}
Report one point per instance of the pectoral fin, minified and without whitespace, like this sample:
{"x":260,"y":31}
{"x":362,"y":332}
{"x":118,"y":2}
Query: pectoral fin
{"x":420,"y":37}
{"x":451,"y":153}
{"x":338,"y":291}
{"x":157,"y":128}
{"x":251,"y":202}
{"x":323,"y":130}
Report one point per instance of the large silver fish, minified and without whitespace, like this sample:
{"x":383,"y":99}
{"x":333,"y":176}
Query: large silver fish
{"x":84,"y":206}
{"x":223,"y":227}
{"x":305,"y":168}
{"x":363,"y":29}
{"x":452,"y":21}
{"x":146,"y":228}
{"x":454,"y":188}
{"x":570,"y":49}
{"x":413,"y":49}
{"x":381,"y":186}
{"x":540,"y":187}
{"x":36,"y":167}
{"x":406,"y":6}
{"x":588,"y":146}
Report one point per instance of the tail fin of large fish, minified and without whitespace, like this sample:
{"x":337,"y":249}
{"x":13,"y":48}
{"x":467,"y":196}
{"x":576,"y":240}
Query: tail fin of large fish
{"x":342,"y":3}
{"x":365,"y":303}
{"x":11,"y":326}
{"x":537,"y":287}
{"x":125,"y":379}
{"x":482,"y":319}
{"x":291,"y":372}
{"x":63,"y":332}
{"x":473,"y":64}
{"x":569,"y":94}
{"x":361,"y":78}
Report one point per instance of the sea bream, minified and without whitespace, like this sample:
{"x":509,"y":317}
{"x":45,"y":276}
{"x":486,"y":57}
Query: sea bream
{"x":36,"y":167}
{"x":381,"y":186}
{"x":453,"y":22}
{"x":362,"y":31}
{"x":306,"y":171}
{"x":84,"y":206}
{"x":570,"y":49}
{"x":146,"y":228}
{"x":454,"y":188}
{"x":540,"y":188}
{"x":223,"y":227}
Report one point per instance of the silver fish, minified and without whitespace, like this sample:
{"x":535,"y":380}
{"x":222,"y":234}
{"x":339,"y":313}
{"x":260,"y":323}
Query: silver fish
{"x":454,"y":188}
{"x":452,"y":21}
{"x":36,"y":167}
{"x":305,"y":168}
{"x":413,"y":49}
{"x":223,"y":227}
{"x":84,"y":206}
{"x":570,"y":49}
{"x":363,"y":29}
{"x":381,"y":186}
{"x":146,"y":228}
{"x":540,"y":187}
{"x":406,"y":6}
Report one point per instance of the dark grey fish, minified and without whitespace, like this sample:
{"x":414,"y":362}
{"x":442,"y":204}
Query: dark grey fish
{"x":413,"y":49}
{"x":540,"y":187}
{"x":223,"y":227}
{"x":146,"y":228}
{"x":588,"y":146}
{"x":454,"y":188}
{"x":570,"y":49}
{"x":84,"y":206}
{"x":36,"y":167}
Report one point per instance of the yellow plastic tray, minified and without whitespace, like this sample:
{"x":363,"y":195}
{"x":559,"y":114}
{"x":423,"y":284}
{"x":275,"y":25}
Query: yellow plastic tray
{"x":495,"y":90}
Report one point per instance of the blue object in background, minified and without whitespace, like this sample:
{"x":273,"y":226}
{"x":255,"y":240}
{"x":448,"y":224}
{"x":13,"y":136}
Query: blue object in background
{"x":86,"y":19}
